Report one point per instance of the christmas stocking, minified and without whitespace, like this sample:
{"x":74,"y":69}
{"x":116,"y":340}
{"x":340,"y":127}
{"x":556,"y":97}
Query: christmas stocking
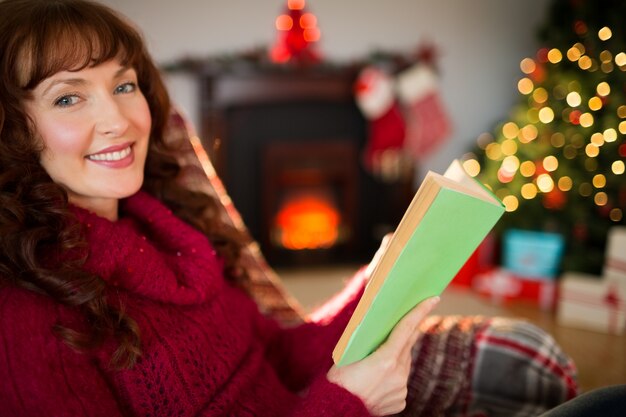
{"x":374,"y":94}
{"x":427,"y":121}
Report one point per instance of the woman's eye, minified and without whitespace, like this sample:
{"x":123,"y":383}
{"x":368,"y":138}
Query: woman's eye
{"x":125,"y":88}
{"x":66,"y":101}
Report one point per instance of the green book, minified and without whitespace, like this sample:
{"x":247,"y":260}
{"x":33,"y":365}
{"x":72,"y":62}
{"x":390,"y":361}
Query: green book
{"x":447,"y":219}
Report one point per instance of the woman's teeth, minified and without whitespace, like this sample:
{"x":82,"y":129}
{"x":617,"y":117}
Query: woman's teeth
{"x":110,"y":156}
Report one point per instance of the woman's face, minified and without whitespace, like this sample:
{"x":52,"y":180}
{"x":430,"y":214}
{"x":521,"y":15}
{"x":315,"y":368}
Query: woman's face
{"x":95,"y":126}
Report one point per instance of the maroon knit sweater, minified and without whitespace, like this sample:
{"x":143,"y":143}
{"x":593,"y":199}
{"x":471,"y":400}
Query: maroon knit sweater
{"x":207,"y":351}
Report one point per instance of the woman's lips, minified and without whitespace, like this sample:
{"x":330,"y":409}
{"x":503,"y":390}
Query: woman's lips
{"x":114,"y":156}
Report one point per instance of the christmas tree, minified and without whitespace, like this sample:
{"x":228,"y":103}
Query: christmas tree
{"x":558,"y":161}
{"x":297,"y":35}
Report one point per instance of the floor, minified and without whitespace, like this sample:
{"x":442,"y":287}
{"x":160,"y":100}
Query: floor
{"x":600,"y":358}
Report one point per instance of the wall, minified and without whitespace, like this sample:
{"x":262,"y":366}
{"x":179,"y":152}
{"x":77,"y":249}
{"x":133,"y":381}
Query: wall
{"x":481,"y":43}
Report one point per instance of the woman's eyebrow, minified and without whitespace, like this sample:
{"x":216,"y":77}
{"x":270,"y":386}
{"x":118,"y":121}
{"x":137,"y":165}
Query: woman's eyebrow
{"x":68,"y":81}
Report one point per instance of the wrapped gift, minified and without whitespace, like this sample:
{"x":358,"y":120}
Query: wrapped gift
{"x":501,"y":285}
{"x":615,"y":260}
{"x":532,"y":255}
{"x":592,"y":303}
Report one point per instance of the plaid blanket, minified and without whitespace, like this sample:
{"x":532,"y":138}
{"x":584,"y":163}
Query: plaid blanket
{"x":478,"y":366}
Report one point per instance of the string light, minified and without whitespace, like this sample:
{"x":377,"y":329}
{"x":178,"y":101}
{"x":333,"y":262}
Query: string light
{"x":555,"y":56}
{"x":525,"y":86}
{"x":565,"y":183}
{"x":584,"y":62}
{"x":621,"y":112}
{"x":610,"y":135}
{"x":527,"y":169}
{"x":605,"y":33}
{"x":509,"y":147}
{"x":546,"y":115}
{"x":550,"y":163}
{"x":528,"y":66}
{"x":573,"y":99}
{"x":597,"y":139}
{"x":493,"y":151}
{"x":510,"y":130}
{"x":595,"y":103}
{"x":620,"y":59}
{"x":529,"y":191}
{"x":586,"y":120}
{"x":622,"y":127}
{"x":540,"y":95}
{"x":472,"y":167}
{"x":592,"y":150}
{"x":603,"y":89}
{"x":616,"y":214}
{"x":599,"y":181}
{"x":618,"y":167}
{"x":511,"y":203}
{"x":600,"y":199}
{"x":606,"y":56}
{"x":545,"y":183}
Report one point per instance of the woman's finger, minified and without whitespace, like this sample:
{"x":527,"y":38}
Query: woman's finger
{"x":402,"y":335}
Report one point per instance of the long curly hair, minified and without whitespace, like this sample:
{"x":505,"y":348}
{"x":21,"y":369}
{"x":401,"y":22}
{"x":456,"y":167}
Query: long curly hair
{"x":39,"y":38}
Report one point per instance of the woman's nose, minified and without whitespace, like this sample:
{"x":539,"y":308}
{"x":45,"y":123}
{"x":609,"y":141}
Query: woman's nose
{"x":111,"y":118}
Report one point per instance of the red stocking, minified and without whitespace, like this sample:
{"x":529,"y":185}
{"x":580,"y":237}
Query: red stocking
{"x":427,"y":121}
{"x":374,"y":93}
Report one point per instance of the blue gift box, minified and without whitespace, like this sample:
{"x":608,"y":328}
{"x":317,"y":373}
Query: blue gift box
{"x":535,"y":255}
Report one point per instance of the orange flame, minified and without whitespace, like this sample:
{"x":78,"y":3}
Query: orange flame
{"x":308,"y":222}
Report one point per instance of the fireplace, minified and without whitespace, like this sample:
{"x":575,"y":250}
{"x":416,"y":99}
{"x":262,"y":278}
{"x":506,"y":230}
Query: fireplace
{"x":287,"y":144}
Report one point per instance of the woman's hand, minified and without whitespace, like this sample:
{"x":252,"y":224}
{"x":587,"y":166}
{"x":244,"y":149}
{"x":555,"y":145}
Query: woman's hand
{"x":380,"y":380}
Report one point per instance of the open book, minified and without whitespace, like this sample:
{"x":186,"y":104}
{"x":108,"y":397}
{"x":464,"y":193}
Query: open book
{"x":448,"y":218}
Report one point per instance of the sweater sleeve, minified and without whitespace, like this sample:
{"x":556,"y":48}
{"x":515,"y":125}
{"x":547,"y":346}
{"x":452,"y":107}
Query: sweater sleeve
{"x":39,"y":374}
{"x":301,"y":353}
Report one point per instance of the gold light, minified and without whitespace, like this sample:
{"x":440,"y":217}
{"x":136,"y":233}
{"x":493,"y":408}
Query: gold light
{"x":592,"y":150}
{"x":605,"y":33}
{"x":616,"y":214}
{"x":529,"y":133}
{"x":584,"y":62}
{"x":510,"y":203}
{"x":509,"y":147}
{"x":529,"y":191}
{"x":550,"y":163}
{"x":510,"y":164}
{"x":527,"y":66}
{"x":620,"y":59}
{"x":586,"y":120}
{"x":555,"y":56}
{"x":610,"y":135}
{"x":545,"y":183}
{"x":546,"y":115}
{"x":540,"y":95}
{"x":597,"y":139}
{"x":603,"y":89}
{"x":599,"y":181}
{"x":574,"y":53}
{"x":606,"y":67}
{"x":573,"y":99}
{"x":618,"y":167}
{"x":621,"y":112}
{"x":527,"y":169}
{"x":600,"y":199}
{"x":622,"y":127}
{"x":493,"y":151}
{"x":565,"y":183}
{"x":525,"y":86}
{"x":472,"y":167}
{"x":595,"y":103}
{"x":510,"y":130}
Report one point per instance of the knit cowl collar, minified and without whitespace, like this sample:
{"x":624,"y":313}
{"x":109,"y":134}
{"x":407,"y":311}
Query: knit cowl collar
{"x":151,"y":253}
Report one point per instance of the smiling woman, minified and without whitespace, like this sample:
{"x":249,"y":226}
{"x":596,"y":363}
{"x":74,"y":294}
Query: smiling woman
{"x":95,"y":126}
{"x":119,"y":286}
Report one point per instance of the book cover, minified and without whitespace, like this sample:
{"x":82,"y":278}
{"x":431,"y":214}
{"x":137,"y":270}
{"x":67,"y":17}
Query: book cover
{"x":447,"y":219}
